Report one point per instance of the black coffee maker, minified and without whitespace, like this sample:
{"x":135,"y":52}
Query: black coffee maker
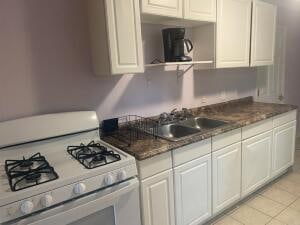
{"x":175,"y":44}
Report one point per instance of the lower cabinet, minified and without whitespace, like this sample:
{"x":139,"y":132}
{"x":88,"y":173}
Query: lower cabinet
{"x":256,"y":162}
{"x":283,"y":147}
{"x":193,"y":191}
{"x":157,"y":196}
{"x":196,"y":182}
{"x":226,"y":176}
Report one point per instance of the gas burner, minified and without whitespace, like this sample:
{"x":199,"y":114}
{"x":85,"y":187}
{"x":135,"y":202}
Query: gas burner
{"x":29,"y":172}
{"x":93,"y":155}
{"x":26,"y":163}
{"x":32,"y":178}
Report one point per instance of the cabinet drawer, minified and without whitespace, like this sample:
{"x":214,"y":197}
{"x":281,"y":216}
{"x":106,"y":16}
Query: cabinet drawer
{"x":284,"y":118}
{"x":191,"y":152}
{"x":228,"y":138}
{"x":256,"y":128}
{"x":154,"y":165}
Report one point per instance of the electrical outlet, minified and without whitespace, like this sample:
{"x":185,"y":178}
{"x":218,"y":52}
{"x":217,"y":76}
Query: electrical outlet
{"x":223,"y":96}
{"x":203,"y":100}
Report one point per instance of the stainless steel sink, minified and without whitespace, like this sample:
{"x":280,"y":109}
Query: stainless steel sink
{"x":177,"y":130}
{"x":174,"y":132}
{"x":203,"y":123}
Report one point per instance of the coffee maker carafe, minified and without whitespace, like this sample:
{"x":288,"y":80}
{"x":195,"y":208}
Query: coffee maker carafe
{"x":176,"y":46}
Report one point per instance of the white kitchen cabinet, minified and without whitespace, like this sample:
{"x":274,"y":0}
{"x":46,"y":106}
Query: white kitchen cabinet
{"x":283,"y":147}
{"x":193,"y":191}
{"x":157,"y":197}
{"x":116,"y":38}
{"x":167,"y":8}
{"x":256,"y":162}
{"x":233,"y":33}
{"x":226,"y":164}
{"x":202,"y":10}
{"x":263,"y":33}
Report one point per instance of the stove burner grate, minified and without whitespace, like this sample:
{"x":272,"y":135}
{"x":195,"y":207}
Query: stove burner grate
{"x":26,"y":164}
{"x":29,"y":172}
{"x":93,"y":155}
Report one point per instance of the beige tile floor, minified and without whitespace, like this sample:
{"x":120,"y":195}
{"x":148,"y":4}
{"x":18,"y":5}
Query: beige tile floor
{"x":277,"y":204}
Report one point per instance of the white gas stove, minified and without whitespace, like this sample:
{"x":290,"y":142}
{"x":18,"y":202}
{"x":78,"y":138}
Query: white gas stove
{"x":53,"y":165}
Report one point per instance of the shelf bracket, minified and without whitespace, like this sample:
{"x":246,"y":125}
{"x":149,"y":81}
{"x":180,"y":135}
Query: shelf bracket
{"x":181,"y":73}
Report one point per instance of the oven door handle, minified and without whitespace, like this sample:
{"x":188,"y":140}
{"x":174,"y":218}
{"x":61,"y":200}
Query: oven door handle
{"x":82,"y":210}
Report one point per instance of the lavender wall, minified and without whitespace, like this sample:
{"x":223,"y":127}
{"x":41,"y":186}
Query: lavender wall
{"x":45,"y":67}
{"x":292,"y":81}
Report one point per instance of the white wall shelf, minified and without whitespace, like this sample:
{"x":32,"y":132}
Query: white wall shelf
{"x":179,"y":63}
{"x":181,"y":67}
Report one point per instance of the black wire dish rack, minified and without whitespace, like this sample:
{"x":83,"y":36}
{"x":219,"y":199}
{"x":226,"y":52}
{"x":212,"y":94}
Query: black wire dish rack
{"x":129,"y":129}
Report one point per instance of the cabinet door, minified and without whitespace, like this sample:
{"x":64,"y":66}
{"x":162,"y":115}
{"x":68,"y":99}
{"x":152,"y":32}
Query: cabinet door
{"x":193,"y":191}
{"x":233,"y":33}
{"x":226,"y":176}
{"x":158,"y":199}
{"x":256,"y":162}
{"x":124,"y":36}
{"x":283,"y":147}
{"x":202,"y":10}
{"x":263,"y":33}
{"x":169,"y":8}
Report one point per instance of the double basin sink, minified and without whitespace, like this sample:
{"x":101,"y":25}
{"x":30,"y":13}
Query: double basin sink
{"x":177,"y":131}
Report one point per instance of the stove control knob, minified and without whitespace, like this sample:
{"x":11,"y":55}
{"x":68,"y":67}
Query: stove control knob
{"x":109,"y":179}
{"x":122,"y":175}
{"x":47,"y":200}
{"x":26,"y":207}
{"x":79,"y":189}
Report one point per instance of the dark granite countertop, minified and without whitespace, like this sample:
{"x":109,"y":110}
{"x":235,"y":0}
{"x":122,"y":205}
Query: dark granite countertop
{"x":238,"y":113}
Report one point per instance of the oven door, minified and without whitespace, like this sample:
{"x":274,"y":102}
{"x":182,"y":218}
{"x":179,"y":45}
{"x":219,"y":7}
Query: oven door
{"x":117,"y":205}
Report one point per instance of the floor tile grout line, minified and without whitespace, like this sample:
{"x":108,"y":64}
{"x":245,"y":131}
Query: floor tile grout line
{"x":253,"y":209}
{"x":278,"y":201}
{"x":267,"y":214}
{"x":236,"y":220}
{"x":230,"y":218}
{"x":288,"y":207}
{"x":281,"y":188}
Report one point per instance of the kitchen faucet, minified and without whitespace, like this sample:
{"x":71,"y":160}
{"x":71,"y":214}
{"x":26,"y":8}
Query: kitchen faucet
{"x":174,"y":115}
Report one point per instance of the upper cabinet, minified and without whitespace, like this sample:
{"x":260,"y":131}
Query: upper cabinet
{"x":171,"y":11}
{"x":263,"y":33}
{"x":235,"y":39}
{"x":220,"y":31}
{"x":116,"y":38}
{"x":170,"y":8}
{"x":233,"y":33}
{"x":202,"y":10}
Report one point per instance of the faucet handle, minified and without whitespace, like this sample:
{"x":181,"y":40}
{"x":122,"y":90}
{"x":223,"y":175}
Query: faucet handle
{"x":187,"y":112}
{"x":173,"y":111}
{"x":163,"y":115}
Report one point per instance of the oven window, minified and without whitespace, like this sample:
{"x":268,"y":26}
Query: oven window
{"x":103,"y":217}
